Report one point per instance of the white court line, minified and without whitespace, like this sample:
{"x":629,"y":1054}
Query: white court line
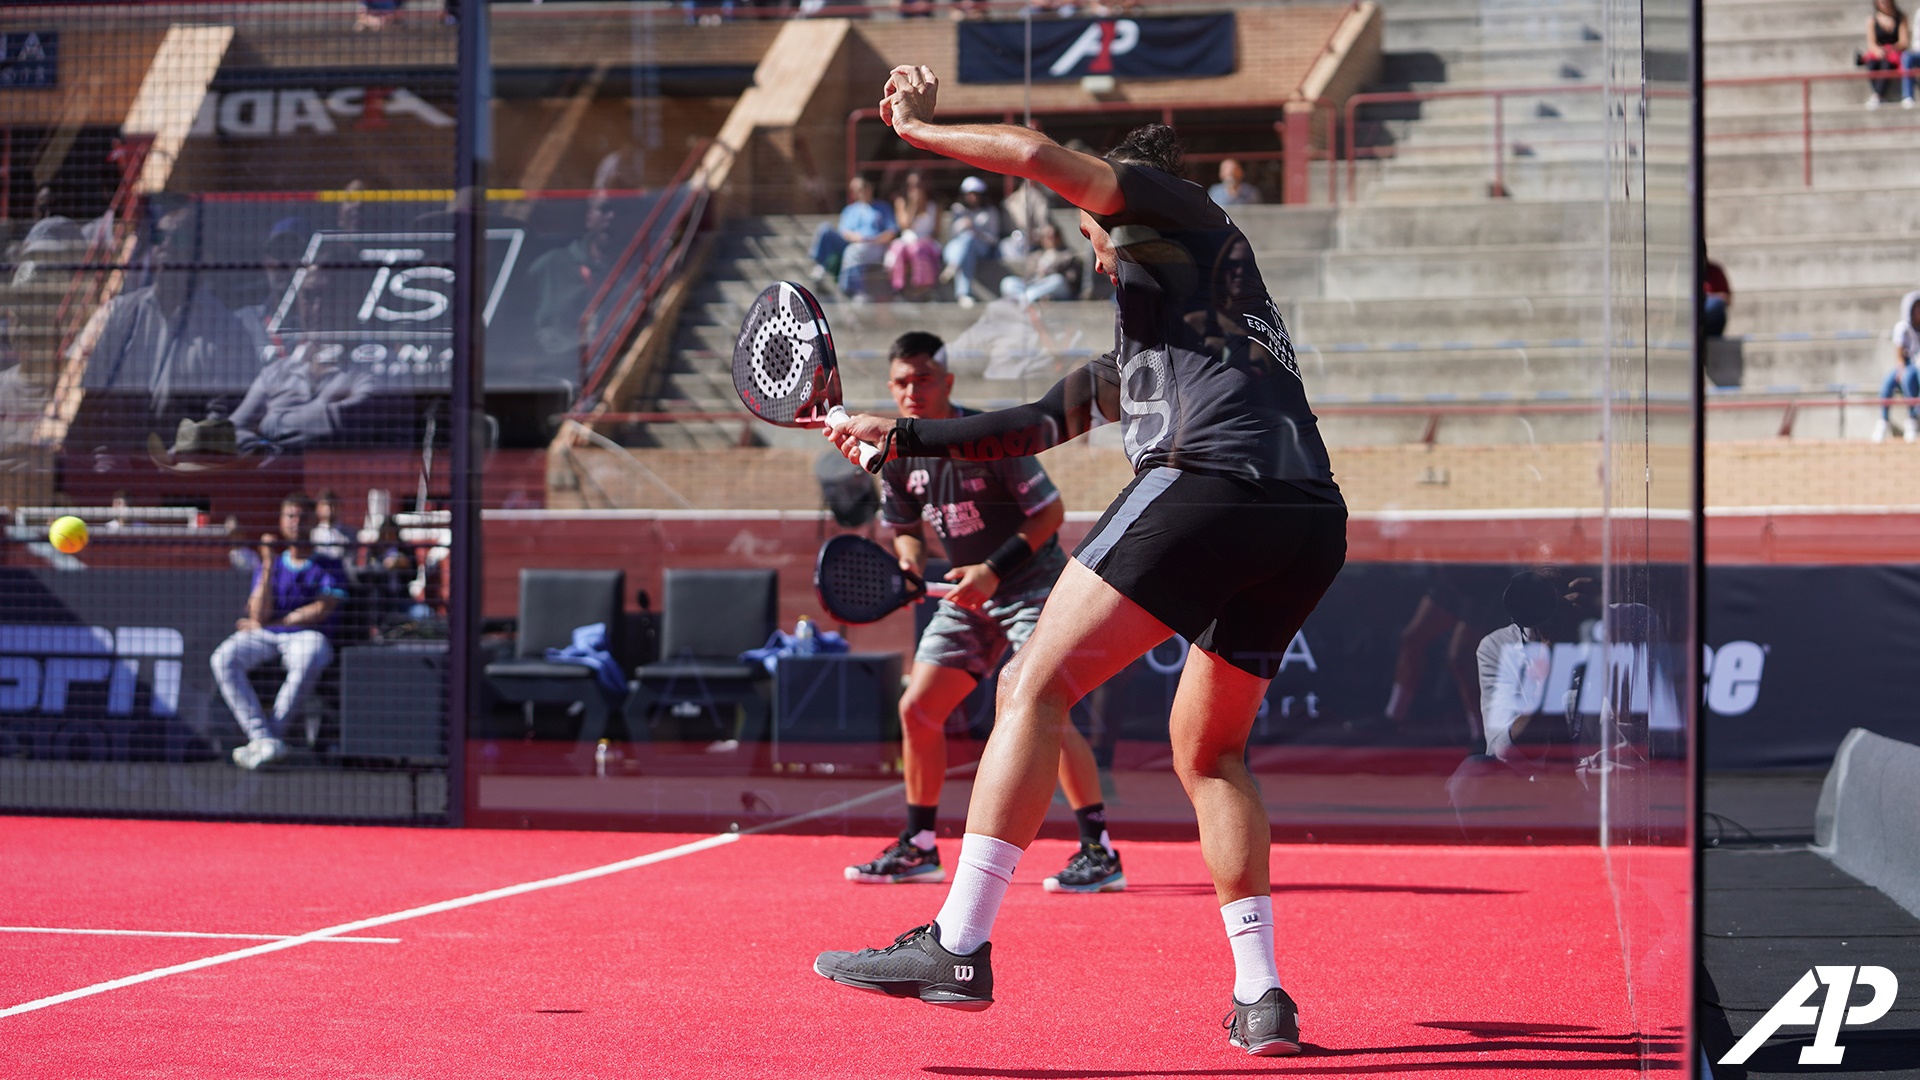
{"x":367,"y":924}
{"x":186,"y":934}
{"x":334,"y":932}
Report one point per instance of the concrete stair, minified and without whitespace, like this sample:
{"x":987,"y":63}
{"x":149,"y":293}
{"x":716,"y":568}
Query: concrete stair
{"x":1425,"y":287}
{"x":1817,"y":271}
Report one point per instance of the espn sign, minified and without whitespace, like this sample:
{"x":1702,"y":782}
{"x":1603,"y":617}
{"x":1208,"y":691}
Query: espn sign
{"x":41,"y":665}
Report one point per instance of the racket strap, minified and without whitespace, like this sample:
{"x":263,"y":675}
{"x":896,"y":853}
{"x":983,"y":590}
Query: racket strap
{"x":887,"y":442}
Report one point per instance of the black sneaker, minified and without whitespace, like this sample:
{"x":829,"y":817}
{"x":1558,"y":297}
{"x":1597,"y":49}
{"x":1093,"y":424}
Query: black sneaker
{"x":900,"y":864}
{"x":916,"y":966}
{"x":1269,"y":1027}
{"x":1092,"y":869}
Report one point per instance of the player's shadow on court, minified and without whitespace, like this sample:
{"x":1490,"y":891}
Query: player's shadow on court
{"x":1204,"y":889}
{"x":1603,"y":1052}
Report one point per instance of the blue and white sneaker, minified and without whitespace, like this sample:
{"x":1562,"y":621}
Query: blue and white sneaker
{"x":903,"y":863}
{"x":1092,"y":869}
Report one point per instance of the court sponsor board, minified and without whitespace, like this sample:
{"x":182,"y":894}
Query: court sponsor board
{"x":1796,"y":656}
{"x":1170,"y":47}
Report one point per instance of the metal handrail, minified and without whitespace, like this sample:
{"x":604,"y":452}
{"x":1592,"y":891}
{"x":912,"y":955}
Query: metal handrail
{"x":590,"y":343}
{"x":1806,"y":107}
{"x":1012,"y":114}
{"x":665,"y":249}
{"x":1497,"y":95}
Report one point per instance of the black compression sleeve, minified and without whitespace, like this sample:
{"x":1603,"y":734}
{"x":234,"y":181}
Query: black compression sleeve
{"x":1021,"y":431}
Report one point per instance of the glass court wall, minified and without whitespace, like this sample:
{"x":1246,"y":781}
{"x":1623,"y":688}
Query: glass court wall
{"x":228,"y":351}
{"x":1486,"y":271}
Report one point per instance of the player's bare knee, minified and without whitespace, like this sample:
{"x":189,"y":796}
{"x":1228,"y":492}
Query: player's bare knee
{"x":1023,"y":688}
{"x":1195,"y":764}
{"x":917,"y":722}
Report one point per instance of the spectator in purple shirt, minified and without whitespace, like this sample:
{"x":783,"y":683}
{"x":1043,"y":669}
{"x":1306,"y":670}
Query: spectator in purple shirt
{"x":290,"y":615}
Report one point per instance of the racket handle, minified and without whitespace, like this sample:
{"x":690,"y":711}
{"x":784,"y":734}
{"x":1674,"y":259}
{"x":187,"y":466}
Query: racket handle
{"x":939,"y":589}
{"x":837,"y":416}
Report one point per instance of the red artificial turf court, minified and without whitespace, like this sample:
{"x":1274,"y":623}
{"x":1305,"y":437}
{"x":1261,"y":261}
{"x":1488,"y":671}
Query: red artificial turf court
{"x":1407,"y":961}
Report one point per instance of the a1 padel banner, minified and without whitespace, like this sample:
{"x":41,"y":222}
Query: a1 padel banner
{"x":1184,"y":47}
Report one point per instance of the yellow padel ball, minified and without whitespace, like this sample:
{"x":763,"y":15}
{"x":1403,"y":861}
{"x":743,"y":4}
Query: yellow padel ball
{"x":68,"y":534}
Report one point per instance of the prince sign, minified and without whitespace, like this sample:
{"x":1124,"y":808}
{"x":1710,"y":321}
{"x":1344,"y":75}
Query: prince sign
{"x":1174,"y":47}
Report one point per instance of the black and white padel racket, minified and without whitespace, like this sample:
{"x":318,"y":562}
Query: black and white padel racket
{"x":784,"y":367}
{"x":861,"y":582}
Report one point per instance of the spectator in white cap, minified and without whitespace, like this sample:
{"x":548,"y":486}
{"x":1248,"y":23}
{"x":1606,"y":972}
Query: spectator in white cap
{"x":973,"y":233}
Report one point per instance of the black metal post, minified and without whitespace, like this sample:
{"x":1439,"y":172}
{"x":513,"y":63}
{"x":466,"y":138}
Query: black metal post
{"x":473,"y":151}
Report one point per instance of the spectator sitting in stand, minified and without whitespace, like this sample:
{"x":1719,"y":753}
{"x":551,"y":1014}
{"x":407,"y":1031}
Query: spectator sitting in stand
{"x":857,"y":241}
{"x":307,"y":397}
{"x":1889,"y":36}
{"x":914,"y":258}
{"x":387,"y":568}
{"x":1010,"y":340}
{"x":1025,"y":211}
{"x":973,"y":233}
{"x":1052,"y":272}
{"x":290,"y":615}
{"x":163,"y":344}
{"x":1905,"y":377}
{"x":1233,"y":189}
{"x":328,"y":538}
{"x":280,"y":256}
{"x":1718,"y":297}
{"x":377,"y":14}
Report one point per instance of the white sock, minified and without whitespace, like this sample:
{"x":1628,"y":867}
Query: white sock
{"x":1250,"y":934}
{"x":980,"y":881}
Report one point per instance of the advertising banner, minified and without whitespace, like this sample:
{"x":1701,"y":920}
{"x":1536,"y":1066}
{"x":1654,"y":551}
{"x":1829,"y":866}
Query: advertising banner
{"x":1798,"y":655}
{"x":1174,"y":47}
{"x":1794,"y":658}
{"x":111,"y":664}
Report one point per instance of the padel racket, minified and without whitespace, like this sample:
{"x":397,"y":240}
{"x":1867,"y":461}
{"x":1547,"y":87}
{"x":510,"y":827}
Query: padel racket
{"x":784,"y":366}
{"x":861,"y":582}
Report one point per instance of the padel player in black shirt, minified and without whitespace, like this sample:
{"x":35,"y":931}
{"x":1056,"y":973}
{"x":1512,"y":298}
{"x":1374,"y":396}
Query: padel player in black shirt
{"x":1229,"y":534}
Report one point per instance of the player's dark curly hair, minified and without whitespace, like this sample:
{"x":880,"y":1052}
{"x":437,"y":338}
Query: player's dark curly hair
{"x":1153,"y":145}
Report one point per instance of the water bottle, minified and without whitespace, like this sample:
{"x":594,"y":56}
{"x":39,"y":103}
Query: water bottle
{"x":804,"y":640}
{"x":600,"y":755}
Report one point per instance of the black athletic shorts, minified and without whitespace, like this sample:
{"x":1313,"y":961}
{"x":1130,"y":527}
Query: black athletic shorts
{"x":1234,"y":566}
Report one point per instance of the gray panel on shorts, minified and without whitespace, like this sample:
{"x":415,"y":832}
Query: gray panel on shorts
{"x":1142,"y":496}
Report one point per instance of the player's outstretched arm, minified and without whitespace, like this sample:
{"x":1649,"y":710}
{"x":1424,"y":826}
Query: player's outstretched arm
{"x":1064,"y":412}
{"x":1084,"y":180}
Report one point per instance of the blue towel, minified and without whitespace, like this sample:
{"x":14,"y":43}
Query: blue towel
{"x":590,"y":648}
{"x":785,"y":644}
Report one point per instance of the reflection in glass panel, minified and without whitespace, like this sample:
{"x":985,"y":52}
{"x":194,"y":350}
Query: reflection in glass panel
{"x":227,"y":352}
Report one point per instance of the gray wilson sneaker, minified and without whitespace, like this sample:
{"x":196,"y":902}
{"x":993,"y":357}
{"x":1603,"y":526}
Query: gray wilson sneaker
{"x":1269,"y":1027}
{"x":916,"y":966}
